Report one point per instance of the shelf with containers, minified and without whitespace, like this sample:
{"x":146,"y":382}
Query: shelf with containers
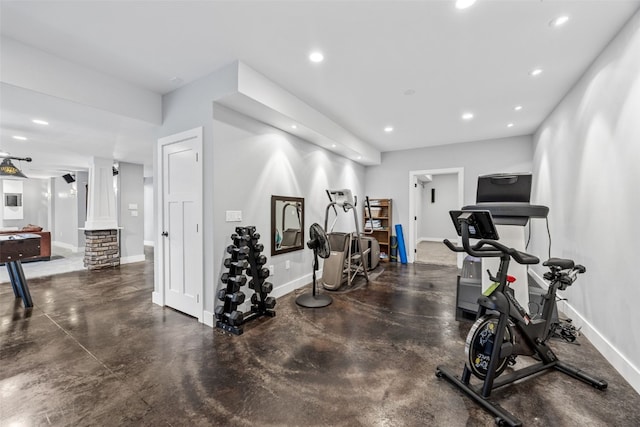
{"x":379,"y":225}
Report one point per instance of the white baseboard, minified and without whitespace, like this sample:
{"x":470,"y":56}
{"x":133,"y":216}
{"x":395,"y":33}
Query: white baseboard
{"x":630,"y":372}
{"x":156,"y":298}
{"x":67,"y":246}
{"x":130,"y":259}
{"x":282,"y":290}
{"x":149,"y":243}
{"x":431,"y":239}
{"x":208,"y":319}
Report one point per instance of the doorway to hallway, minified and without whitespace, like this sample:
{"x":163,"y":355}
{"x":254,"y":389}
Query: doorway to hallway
{"x":432,"y":194}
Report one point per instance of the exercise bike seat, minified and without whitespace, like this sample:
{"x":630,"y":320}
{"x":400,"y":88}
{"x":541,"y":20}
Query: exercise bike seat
{"x":564,"y":264}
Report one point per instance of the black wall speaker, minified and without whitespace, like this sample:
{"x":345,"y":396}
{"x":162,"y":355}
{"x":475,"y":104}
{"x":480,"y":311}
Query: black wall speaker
{"x":69,"y":178}
{"x":433,"y":195}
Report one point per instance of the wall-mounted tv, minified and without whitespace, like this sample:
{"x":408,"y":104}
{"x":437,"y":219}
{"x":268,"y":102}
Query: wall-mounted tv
{"x":13,"y":200}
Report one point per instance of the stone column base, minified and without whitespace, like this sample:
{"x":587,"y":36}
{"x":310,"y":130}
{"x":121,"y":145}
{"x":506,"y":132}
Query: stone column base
{"x":101,"y":249}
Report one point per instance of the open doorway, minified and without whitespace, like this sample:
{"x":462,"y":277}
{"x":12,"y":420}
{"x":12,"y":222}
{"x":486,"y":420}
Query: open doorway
{"x":433,"y":193}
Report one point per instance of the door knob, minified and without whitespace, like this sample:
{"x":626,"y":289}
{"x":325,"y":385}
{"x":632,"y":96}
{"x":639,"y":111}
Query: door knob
{"x":165,"y":233}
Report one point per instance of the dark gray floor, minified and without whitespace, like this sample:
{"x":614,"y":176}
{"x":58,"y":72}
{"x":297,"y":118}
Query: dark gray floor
{"x":96,"y":351}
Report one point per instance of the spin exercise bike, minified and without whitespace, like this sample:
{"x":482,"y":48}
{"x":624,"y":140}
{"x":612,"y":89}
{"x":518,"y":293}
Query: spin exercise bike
{"x":503,"y":329}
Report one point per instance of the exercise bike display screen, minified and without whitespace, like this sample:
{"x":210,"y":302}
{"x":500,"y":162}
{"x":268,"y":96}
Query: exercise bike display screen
{"x":481,"y":224}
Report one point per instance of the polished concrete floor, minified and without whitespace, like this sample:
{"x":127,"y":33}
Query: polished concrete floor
{"x":96,"y":351}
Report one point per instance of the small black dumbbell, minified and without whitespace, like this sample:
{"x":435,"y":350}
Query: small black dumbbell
{"x":263,"y":273}
{"x":222,"y":293}
{"x":267,"y":287}
{"x":242,"y":250}
{"x":236,"y":297}
{"x":240,"y":237}
{"x":254,"y":299}
{"x":258,"y":247}
{"x":240,"y":280}
{"x":234,"y":318}
{"x":261,"y":260}
{"x":270,"y":302}
{"x":241,"y":263}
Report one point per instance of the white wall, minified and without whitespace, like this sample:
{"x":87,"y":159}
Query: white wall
{"x":245,"y":162}
{"x":433,"y":218}
{"x":255,"y":161}
{"x":391,"y":178}
{"x":131,"y":211}
{"x":586,"y":169}
{"x":149,"y":212}
{"x":22,"y":65}
{"x":64,"y":231}
{"x":35,"y":204}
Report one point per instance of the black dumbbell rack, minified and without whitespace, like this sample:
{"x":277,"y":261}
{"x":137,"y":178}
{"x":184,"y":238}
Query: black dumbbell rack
{"x":245,"y":255}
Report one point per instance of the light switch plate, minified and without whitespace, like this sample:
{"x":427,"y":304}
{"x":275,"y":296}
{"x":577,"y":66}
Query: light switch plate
{"x":234,"y":216}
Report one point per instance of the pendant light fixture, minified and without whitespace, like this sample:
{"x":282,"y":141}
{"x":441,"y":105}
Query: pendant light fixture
{"x":9,"y":170}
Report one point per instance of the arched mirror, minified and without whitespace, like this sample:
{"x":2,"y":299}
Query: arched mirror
{"x":287,"y":224}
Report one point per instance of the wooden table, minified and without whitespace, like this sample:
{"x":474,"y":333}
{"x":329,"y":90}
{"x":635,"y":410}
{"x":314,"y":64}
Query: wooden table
{"x":13,"y":248}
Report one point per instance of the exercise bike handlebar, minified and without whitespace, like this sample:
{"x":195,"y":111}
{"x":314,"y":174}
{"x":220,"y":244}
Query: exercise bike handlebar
{"x":487,"y":248}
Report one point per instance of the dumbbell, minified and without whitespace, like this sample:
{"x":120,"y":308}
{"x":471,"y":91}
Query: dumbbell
{"x":254,"y":299}
{"x":239,"y":280}
{"x":242,"y":250}
{"x":261,"y":260}
{"x":234,"y":318}
{"x":240,"y":236}
{"x":246,"y":230}
{"x":258,"y":247}
{"x":241,"y":263}
{"x":235,"y":297}
{"x":267,"y":287}
{"x":270,"y":302}
{"x":263,"y":273}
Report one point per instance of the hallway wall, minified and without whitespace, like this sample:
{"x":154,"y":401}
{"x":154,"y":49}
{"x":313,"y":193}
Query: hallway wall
{"x":245,"y":162}
{"x":586,"y":170}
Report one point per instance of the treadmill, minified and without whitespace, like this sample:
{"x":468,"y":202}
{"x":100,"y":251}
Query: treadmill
{"x":507,"y":196}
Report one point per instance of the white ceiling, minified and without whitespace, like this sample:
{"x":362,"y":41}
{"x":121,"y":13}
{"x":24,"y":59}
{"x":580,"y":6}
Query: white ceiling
{"x":454,"y":61}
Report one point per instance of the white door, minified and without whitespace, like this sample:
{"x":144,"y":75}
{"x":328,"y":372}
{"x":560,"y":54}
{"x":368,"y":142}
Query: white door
{"x":181,"y":225}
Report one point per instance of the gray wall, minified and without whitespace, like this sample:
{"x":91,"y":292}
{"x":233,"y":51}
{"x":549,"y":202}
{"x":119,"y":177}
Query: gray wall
{"x":391,"y":178}
{"x":82,"y":180}
{"x":245,"y":162}
{"x":35,"y":204}
{"x":131,"y":211}
{"x":434,"y":221}
{"x":65,"y":218}
{"x":585,"y":165}
{"x":149,"y":212}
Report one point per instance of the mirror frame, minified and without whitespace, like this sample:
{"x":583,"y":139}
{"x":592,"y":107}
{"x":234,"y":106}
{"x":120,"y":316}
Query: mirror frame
{"x":274,"y":199}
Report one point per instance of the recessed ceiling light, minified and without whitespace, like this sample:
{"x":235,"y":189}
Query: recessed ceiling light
{"x":294,"y":127}
{"x":359,"y":157}
{"x":316,"y":57}
{"x":467,"y":116}
{"x":463,"y":4}
{"x":559,"y":21}
{"x":40,"y":122}
{"x":333,"y":145}
{"x":510,"y":125}
{"x":20,"y":138}
{"x":535,"y":72}
{"x":518,"y":107}
{"x":388,"y":129}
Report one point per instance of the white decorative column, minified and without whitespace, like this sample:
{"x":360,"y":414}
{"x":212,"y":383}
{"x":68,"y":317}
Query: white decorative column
{"x":101,"y":226}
